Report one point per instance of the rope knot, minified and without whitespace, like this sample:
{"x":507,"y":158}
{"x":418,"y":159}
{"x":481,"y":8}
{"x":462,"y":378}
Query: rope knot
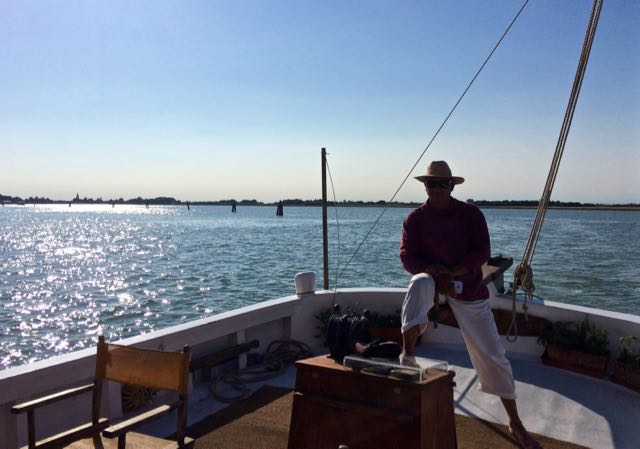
{"x":523,"y":277}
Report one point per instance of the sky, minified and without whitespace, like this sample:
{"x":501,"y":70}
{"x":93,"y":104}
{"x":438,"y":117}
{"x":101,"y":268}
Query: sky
{"x":218,"y":99}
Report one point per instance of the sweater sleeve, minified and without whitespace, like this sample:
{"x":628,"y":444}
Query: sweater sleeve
{"x":480,"y":245}
{"x":408,"y":249}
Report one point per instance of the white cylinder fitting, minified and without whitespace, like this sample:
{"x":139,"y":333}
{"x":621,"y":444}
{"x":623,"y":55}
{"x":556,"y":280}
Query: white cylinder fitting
{"x":305,"y":282}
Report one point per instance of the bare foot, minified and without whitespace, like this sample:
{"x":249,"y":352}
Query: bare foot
{"x":525,"y":440}
{"x":408,"y":360}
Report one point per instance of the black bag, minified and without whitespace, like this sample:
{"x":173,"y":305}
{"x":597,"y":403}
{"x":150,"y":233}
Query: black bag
{"x":344,"y":331}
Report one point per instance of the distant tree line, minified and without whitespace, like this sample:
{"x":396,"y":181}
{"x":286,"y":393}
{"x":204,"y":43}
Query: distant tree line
{"x":170,"y":201}
{"x":534,"y":204}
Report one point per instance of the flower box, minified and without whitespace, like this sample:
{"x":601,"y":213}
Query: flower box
{"x":580,"y":347}
{"x":623,"y":375}
{"x":576,"y":361}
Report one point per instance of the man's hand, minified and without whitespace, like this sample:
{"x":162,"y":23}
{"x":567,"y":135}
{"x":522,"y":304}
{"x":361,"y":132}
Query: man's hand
{"x":435,"y":270}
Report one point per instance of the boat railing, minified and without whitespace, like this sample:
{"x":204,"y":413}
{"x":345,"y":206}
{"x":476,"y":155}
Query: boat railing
{"x":292,"y":317}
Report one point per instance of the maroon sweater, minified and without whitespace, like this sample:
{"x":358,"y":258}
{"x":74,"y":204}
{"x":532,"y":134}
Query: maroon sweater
{"x":457,"y":236}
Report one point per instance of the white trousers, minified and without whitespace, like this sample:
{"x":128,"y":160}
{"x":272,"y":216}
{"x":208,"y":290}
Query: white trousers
{"x":478,"y":329}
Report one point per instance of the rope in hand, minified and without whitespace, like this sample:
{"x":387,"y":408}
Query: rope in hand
{"x":280,"y":354}
{"x":523,"y":274}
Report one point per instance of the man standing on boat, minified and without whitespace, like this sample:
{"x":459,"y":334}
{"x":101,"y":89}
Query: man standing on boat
{"x":444,"y":244}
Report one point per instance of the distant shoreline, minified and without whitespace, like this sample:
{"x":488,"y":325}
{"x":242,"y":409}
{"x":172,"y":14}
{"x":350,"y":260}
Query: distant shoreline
{"x":169,"y":201}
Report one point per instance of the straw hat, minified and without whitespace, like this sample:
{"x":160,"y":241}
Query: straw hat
{"x":439,"y":170}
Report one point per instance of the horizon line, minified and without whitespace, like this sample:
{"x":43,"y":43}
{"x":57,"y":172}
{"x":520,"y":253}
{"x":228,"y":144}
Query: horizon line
{"x":166,"y":200}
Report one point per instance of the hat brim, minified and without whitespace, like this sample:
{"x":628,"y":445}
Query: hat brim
{"x":456,"y":179}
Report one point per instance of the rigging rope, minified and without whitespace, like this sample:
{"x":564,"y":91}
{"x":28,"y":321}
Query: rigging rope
{"x":523,"y":274}
{"x":335,"y":207}
{"x":446,"y":119}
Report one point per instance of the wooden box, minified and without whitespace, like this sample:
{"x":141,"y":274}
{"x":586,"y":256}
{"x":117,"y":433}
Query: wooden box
{"x":333,"y":405}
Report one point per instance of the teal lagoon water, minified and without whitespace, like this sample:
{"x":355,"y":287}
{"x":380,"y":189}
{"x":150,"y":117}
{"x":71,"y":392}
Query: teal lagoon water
{"x":70,"y":274}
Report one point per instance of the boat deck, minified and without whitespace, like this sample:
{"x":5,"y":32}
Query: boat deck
{"x":553,"y":402}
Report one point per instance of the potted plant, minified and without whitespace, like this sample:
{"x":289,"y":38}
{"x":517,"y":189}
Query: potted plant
{"x":385,"y":326}
{"x":626,"y":368}
{"x":576,"y":346}
{"x":323,"y":319}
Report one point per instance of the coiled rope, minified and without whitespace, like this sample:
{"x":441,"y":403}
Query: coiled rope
{"x":523,"y":274}
{"x":280,"y":354}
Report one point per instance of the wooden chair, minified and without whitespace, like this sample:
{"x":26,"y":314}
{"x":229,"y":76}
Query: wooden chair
{"x":158,"y":370}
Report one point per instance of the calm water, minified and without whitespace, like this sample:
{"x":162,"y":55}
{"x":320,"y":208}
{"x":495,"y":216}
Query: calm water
{"x":69,"y":274}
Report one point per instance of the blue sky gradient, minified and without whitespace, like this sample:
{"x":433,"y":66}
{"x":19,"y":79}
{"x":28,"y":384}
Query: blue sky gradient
{"x":206,"y":100}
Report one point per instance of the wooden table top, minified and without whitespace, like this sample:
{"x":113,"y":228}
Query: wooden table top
{"x":324,"y":362}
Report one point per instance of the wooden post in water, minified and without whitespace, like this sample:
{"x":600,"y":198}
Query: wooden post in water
{"x":325,"y":234}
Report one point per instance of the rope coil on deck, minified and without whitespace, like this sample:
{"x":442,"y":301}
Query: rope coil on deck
{"x":280,"y":354}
